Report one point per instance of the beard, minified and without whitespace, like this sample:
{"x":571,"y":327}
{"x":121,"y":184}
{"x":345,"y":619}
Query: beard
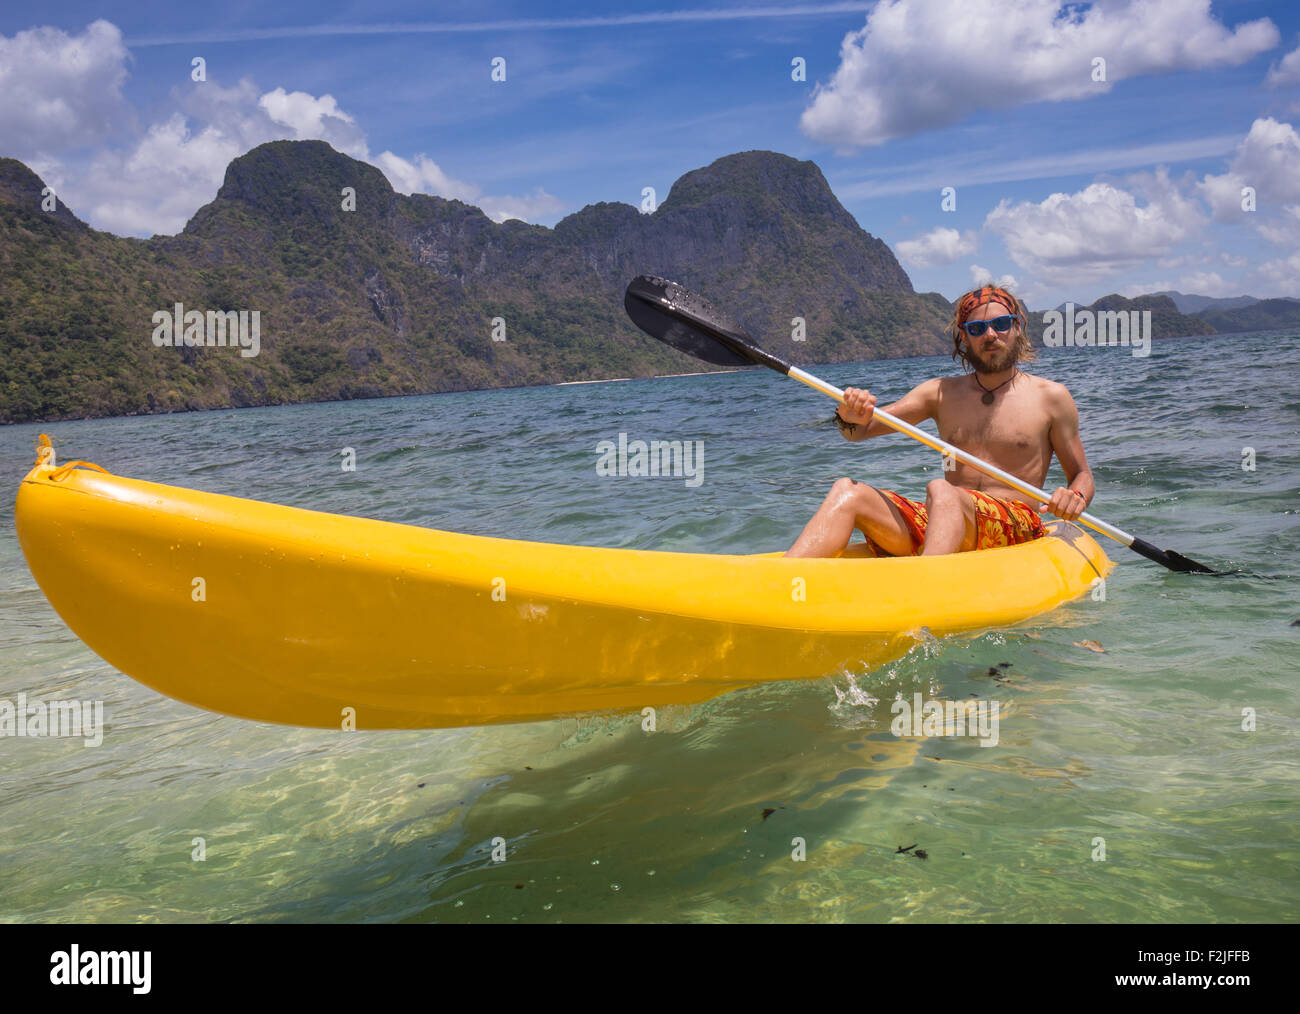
{"x":997,"y":362}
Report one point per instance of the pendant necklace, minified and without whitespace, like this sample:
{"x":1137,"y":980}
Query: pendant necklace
{"x":988,"y":392}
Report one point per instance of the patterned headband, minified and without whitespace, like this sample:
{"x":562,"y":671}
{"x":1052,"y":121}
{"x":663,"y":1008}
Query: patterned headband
{"x":989,"y":294}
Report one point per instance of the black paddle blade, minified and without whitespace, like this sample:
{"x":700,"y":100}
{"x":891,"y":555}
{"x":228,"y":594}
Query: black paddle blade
{"x":691,"y":324}
{"x":1168,"y":558}
{"x":1187,"y":566}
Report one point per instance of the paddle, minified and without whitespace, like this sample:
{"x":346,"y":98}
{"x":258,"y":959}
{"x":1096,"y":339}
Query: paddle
{"x":690,"y":323}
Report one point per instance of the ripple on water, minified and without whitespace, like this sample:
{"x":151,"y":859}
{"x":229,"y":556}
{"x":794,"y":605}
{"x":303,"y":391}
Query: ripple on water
{"x":1142,"y":745}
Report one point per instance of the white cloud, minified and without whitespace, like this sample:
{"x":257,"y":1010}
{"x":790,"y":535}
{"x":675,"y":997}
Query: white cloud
{"x":170,"y":147}
{"x":1287,"y":72}
{"x":1206,"y":283}
{"x":1111,"y":232}
{"x":1282,"y":275}
{"x":1098,"y":231}
{"x":156,"y":185}
{"x":1284,"y":230}
{"x":1197,"y":283}
{"x":918,"y":65}
{"x":538,"y":204}
{"x":1134,"y":289}
{"x":1264,"y":280}
{"x":61,"y":92}
{"x":1268,"y":159}
{"x":312,"y":118}
{"x":939,"y":246}
{"x":159,"y":184}
{"x":981,"y":276}
{"x":424,"y":176}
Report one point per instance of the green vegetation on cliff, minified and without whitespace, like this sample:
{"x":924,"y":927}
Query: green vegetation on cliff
{"x":1264,"y":315}
{"x":377,"y":293}
{"x":403,"y":295}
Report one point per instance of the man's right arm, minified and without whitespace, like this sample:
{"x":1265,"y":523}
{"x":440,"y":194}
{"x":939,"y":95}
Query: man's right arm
{"x":855,"y":415}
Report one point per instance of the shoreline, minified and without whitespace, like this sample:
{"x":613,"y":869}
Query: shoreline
{"x":1282,"y":333}
{"x":659,"y":376}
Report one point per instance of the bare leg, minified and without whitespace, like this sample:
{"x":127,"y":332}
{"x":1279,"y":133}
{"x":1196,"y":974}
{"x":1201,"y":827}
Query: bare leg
{"x":851,"y":505}
{"x":951,"y":528}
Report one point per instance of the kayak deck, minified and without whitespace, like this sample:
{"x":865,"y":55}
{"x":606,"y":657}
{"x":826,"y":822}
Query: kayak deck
{"x":279,"y":614}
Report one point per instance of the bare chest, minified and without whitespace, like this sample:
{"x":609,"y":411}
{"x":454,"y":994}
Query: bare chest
{"x":1014,"y":430}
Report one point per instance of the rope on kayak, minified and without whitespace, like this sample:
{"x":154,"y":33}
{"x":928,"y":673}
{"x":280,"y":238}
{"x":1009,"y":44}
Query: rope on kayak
{"x":63,"y":471}
{"x":45,"y":456}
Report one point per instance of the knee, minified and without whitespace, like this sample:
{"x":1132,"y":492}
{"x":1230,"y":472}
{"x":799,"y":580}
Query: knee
{"x":940,"y":491}
{"x":848,"y":489}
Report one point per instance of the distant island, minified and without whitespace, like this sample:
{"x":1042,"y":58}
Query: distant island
{"x":318,"y":282}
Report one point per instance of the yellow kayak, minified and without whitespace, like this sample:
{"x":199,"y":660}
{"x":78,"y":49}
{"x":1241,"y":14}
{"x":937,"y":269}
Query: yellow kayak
{"x":278,"y":614}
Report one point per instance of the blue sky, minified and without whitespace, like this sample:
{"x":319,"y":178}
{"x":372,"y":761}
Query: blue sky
{"x":1068,"y":186}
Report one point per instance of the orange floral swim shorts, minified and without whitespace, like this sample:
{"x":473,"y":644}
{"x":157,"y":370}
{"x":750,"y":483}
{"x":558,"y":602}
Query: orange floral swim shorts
{"x":997,"y":522}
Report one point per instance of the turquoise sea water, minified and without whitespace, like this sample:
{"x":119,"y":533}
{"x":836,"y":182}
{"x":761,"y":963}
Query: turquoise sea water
{"x":1140,"y":745}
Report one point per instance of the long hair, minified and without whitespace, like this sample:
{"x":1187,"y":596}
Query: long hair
{"x":971,"y":302}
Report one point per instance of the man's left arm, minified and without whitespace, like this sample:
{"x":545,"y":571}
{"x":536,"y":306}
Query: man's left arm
{"x":1072,"y":499}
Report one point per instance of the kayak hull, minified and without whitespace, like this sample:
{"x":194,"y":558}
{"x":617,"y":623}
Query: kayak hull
{"x":278,"y":614}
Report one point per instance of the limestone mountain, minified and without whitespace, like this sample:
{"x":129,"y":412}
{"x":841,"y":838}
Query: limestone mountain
{"x":1192,"y":303}
{"x":364,"y":292}
{"x":1261,"y":315}
{"x":1166,"y":320}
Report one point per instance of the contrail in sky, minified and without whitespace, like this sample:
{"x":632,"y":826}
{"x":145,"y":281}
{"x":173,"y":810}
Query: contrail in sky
{"x":509,"y":25}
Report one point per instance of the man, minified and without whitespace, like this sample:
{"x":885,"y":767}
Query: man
{"x":1008,"y":418}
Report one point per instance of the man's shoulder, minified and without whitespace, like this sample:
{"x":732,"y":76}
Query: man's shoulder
{"x":1050,"y":388}
{"x":1056,"y":398}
